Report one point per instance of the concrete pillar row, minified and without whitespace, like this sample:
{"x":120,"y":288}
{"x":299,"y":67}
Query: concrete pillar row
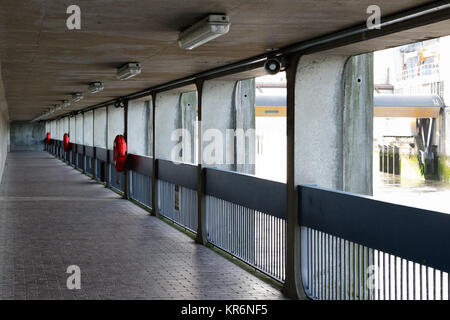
{"x":330,"y":128}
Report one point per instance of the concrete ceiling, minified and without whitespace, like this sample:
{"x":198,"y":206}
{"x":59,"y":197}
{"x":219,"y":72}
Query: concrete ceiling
{"x":43,"y":62}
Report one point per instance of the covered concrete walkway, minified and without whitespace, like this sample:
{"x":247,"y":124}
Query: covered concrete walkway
{"x":52,"y":216}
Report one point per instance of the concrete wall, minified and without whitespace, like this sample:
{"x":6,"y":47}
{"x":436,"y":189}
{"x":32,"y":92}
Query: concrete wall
{"x":334,"y":122}
{"x":228,"y":114}
{"x":139,"y":126}
{"x":4,"y":127}
{"x":27,"y":136}
{"x":167,"y":120}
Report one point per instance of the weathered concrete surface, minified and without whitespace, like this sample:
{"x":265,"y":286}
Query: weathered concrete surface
{"x":334,"y":122}
{"x":27,"y":136}
{"x":100,"y":128}
{"x":35,"y":41}
{"x":319,"y":121}
{"x":88,"y":128}
{"x":139,"y":126}
{"x":217,"y":117}
{"x":167,"y":120}
{"x":358,"y":125}
{"x":228,"y":113}
{"x":115,"y":124}
{"x":245,"y":114}
{"x":188,"y":115}
{"x":79,"y":137}
{"x":4,"y":126}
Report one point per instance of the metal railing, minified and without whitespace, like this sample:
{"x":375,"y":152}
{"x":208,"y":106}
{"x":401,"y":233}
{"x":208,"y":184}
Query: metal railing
{"x":116,"y":179}
{"x":177,"y":193}
{"x":252,"y":236}
{"x":141,"y":188}
{"x":247,"y":220}
{"x":355,"y":247}
{"x":178,"y":204}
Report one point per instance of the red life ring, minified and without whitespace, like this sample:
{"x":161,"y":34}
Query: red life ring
{"x":47,"y":140}
{"x":66,"y":142}
{"x":120,"y":153}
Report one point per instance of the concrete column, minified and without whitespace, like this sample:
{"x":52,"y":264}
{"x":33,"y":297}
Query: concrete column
{"x":245,"y":114}
{"x":358,"y":125}
{"x":228,"y":114}
{"x":188,"y":115}
{"x":167,"y":115}
{"x":4,"y":127}
{"x":155,"y":209}
{"x":332,"y":137}
{"x":334,"y":121}
{"x":218,"y":116}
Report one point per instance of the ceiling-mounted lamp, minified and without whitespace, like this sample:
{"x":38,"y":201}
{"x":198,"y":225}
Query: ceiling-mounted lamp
{"x":58,"y":107}
{"x":77,"y":96}
{"x":128,"y":70}
{"x":95,"y":87}
{"x":203,"y":31}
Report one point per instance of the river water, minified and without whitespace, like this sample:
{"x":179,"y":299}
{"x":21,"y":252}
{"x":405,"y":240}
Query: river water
{"x":430,"y":195}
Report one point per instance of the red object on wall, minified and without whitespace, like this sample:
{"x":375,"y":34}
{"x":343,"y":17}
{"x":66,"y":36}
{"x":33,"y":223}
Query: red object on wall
{"x":120,"y":153}
{"x":47,"y":140}
{"x":66,"y":142}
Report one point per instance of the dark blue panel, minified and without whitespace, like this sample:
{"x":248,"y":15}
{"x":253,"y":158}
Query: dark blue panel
{"x":248,"y":191}
{"x":140,"y":164}
{"x":414,"y":234}
{"x":182,"y":174}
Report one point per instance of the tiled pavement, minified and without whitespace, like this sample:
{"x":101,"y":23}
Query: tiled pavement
{"x":52,"y":216}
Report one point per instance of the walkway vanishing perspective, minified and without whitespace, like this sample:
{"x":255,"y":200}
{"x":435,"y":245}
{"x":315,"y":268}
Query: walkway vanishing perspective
{"x":52,"y":217}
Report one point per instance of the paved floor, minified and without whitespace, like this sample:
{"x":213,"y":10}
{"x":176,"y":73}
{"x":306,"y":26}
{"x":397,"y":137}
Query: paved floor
{"x":52,"y":216}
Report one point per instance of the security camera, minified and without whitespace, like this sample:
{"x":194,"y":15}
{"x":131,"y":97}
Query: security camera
{"x":274,"y":65}
{"x":119,"y":103}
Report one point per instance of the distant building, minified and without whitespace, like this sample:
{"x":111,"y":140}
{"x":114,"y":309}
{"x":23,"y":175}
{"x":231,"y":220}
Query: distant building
{"x":418,"y":68}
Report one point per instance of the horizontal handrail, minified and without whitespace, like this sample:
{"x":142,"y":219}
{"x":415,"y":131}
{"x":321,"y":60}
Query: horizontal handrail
{"x":140,"y":164}
{"x":101,"y":154}
{"x":80,"y":149}
{"x":182,"y":174}
{"x":89,"y":151}
{"x":251,"y":192}
{"x":418,"y":235}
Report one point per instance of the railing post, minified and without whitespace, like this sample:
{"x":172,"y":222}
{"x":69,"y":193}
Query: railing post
{"x":84,"y":149}
{"x":155,"y":211}
{"x":293,"y":286}
{"x":107,"y":175}
{"x":201,"y":198}
{"x":94,"y":156}
{"x":126,"y":173}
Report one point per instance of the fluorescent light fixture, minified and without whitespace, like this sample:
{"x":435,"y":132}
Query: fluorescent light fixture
{"x":95,"y":87}
{"x":58,"y":107}
{"x":65,"y":103}
{"x":77,"y":96}
{"x":128,"y":70}
{"x":203,"y":31}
